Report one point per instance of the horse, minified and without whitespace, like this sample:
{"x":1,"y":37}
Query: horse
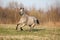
{"x":25,"y":19}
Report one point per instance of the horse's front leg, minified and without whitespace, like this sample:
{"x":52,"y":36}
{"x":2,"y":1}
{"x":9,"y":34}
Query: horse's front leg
{"x":17,"y":26}
{"x":22,"y":26}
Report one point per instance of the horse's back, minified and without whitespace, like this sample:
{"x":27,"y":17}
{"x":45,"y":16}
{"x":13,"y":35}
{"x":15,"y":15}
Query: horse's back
{"x":31,"y":20}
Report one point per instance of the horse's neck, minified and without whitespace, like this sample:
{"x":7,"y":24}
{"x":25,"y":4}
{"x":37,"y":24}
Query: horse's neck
{"x":24,"y":15}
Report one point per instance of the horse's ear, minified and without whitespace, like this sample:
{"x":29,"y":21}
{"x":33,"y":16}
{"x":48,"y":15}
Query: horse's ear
{"x":23,"y":8}
{"x":20,"y":8}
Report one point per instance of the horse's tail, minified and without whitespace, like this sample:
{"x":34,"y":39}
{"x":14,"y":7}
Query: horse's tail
{"x":37,"y":21}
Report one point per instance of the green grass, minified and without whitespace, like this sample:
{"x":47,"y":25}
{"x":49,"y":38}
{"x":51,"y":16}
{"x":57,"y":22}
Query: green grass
{"x":35,"y":34}
{"x":38,"y":32}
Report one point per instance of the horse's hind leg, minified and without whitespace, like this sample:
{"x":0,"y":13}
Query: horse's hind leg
{"x":32,"y":26}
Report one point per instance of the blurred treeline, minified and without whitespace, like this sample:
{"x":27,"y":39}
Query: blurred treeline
{"x":10,"y":14}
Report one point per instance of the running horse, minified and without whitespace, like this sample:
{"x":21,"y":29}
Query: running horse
{"x":25,"y":19}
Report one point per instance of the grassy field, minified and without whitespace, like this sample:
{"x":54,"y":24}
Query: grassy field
{"x":8,"y":32}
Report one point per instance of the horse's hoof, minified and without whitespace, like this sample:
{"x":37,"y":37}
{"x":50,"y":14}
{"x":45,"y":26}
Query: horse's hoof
{"x":21,"y":29}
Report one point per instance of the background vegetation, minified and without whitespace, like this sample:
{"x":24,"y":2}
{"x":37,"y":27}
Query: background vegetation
{"x":10,"y":14}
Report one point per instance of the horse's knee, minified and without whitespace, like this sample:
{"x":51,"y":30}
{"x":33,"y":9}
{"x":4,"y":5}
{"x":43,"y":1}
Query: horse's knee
{"x":17,"y":24}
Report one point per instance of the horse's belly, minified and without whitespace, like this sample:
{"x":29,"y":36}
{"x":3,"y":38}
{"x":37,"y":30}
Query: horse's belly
{"x":30,"y":21}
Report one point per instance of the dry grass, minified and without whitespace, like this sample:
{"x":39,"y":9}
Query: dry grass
{"x":8,"y":32}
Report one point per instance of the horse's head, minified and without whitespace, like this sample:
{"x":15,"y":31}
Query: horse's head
{"x":21,"y":11}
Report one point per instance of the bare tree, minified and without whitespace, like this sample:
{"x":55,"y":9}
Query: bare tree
{"x":1,"y":2}
{"x":13,"y":5}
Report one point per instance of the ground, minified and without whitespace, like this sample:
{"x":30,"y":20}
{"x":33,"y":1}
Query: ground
{"x":8,"y":32}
